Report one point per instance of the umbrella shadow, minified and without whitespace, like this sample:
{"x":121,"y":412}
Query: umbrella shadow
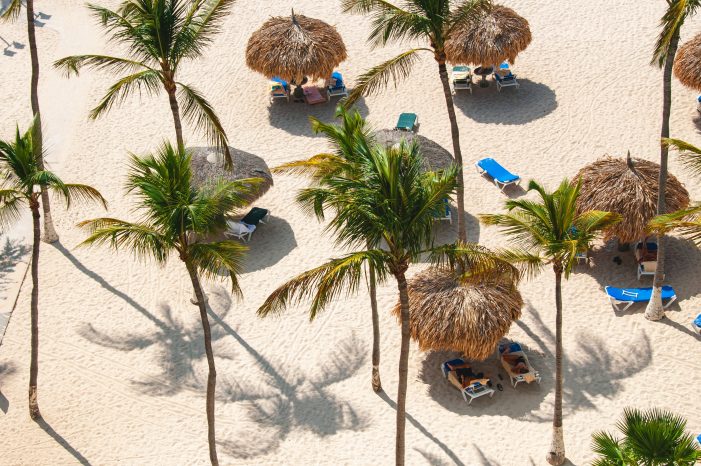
{"x":270,"y":243}
{"x":12,"y":252}
{"x":294,"y":117}
{"x":530,"y":102}
{"x":6,"y":369}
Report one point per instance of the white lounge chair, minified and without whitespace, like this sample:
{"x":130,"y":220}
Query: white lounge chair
{"x":461,"y":77}
{"x":474,"y":390}
{"x":516,"y":378}
{"x":646,"y":257}
{"x":240,"y":230}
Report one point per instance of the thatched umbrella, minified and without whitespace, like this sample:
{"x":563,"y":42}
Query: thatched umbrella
{"x":627,"y":186}
{"x":295,"y":47}
{"x":208,"y":165}
{"x":687,"y":63}
{"x":435,"y":156}
{"x":445,"y":315}
{"x":499,"y":34}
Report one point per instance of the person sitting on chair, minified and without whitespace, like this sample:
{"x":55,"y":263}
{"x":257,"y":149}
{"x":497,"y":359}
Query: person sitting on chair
{"x":516,"y":361}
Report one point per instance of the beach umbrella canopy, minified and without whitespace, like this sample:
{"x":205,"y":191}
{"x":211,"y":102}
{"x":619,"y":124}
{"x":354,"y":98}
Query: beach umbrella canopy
{"x":208,"y":165}
{"x":629,"y":187}
{"x":435,"y":156}
{"x":471,"y":318}
{"x":294,"y":47}
{"x":499,"y":34}
{"x":687,"y":63}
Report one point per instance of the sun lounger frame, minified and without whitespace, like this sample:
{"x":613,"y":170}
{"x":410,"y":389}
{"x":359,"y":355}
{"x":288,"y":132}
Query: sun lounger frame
{"x":243,"y":236}
{"x":519,"y":378}
{"x":472,"y":391}
{"x":506,"y":81}
{"x":499,"y":184}
{"x":461,"y":84}
{"x":616,"y":303}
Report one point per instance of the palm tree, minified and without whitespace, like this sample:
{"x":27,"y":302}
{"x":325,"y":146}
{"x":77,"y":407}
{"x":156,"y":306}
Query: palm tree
{"x":392,"y":203}
{"x":650,"y":438}
{"x":177,"y":218}
{"x":663,"y":56}
{"x":11,"y":13}
{"x":159,"y":35}
{"x":352,"y":141}
{"x":23,"y":179}
{"x":432,"y":21}
{"x":553,"y":231}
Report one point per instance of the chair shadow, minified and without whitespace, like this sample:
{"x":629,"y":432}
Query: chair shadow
{"x":530,"y":102}
{"x":46,"y":427}
{"x":294,"y":117}
{"x":414,"y":422}
{"x":6,"y":369}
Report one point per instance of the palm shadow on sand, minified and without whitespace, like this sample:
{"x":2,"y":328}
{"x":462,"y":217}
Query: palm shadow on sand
{"x":11,"y":253}
{"x":530,"y":102}
{"x":294,"y":117}
{"x":6,"y":369}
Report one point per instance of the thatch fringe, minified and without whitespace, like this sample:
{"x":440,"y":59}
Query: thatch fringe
{"x":687,"y":63}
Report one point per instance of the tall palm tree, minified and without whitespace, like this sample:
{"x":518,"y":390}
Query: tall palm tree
{"x":393,"y":204}
{"x":650,"y":438}
{"x":177,"y":218}
{"x":663,"y":56}
{"x":352,"y":141}
{"x":23,"y":178}
{"x":433,"y":22}
{"x":552,"y":230}
{"x":159,"y":35}
{"x":11,"y":13}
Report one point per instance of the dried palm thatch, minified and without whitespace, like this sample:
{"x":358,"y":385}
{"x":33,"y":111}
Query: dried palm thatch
{"x":627,"y":186}
{"x":470,"y":318}
{"x":294,"y":47}
{"x":435,"y":156}
{"x":500,"y":34}
{"x":687,"y":63}
{"x":207,"y":165}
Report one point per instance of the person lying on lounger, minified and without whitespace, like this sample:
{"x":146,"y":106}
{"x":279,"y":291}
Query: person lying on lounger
{"x":466,"y":376}
{"x":516,"y":361}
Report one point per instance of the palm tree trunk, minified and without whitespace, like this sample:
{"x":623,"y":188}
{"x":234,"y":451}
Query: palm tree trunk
{"x":212,"y":377}
{"x":376,"y":383}
{"x":556,"y":455}
{"x":34,"y":317}
{"x":175,"y":109}
{"x":457,"y":154}
{"x":654,"y":309}
{"x":403,"y":368}
{"x":50,"y":235}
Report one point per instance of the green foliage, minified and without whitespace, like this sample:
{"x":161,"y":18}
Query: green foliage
{"x":12,"y":11}
{"x":677,"y":12}
{"x":650,"y":438}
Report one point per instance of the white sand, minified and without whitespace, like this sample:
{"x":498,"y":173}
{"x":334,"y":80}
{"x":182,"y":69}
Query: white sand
{"x":122,"y":369}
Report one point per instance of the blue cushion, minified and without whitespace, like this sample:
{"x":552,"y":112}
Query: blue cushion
{"x":697,"y":321}
{"x":337,"y":76}
{"x":281,"y":81}
{"x":638,"y":295}
{"x":496,"y":171}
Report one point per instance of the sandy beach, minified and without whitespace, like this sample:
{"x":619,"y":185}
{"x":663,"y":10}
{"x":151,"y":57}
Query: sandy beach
{"x":122,"y":367}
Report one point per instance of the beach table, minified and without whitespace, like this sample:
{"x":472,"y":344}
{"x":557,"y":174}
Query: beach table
{"x":484,"y":71}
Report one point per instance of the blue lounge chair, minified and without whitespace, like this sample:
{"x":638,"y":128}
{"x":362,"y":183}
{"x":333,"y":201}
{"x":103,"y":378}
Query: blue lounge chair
{"x":507,"y":81}
{"x":500,"y":175}
{"x":444,"y":212}
{"x":336,"y":85}
{"x":628,"y":296}
{"x":696,"y":325}
{"x":279,"y":89}
{"x":505,"y":67}
{"x":472,"y":391}
{"x":407,"y":122}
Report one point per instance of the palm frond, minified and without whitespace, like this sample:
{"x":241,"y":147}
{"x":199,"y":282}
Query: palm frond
{"x":317,"y":166}
{"x":12,"y":11}
{"x":609,"y":449}
{"x":201,"y":114}
{"x":211,"y":259}
{"x":73,"y":64}
{"x":689,"y":154}
{"x":142,"y":240}
{"x":322,"y":284}
{"x":466,"y":12}
{"x":477,"y":263}
{"x":148,"y":81}
{"x":202,"y":22}
{"x":670,"y":24}
{"x":10,"y":202}
{"x":377,"y":77}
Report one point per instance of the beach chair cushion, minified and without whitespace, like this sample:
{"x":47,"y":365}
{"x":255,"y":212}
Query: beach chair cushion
{"x":337,"y":80}
{"x":407,"y":121}
{"x":496,"y":171}
{"x":254,"y":216}
{"x":280,"y":81}
{"x":312,"y":95}
{"x":513,"y":347}
{"x":638,"y":295}
{"x":697,"y":321}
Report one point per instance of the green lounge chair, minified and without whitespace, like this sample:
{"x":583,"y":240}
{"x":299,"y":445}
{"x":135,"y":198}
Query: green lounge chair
{"x":255,"y":215}
{"x":407,"y":122}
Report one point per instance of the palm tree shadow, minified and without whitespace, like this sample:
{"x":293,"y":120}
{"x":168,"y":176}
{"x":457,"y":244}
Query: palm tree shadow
{"x":6,"y":369}
{"x":11,"y":253}
{"x":530,"y":102}
{"x":414,"y":422}
{"x":46,"y":427}
{"x":294,"y":117}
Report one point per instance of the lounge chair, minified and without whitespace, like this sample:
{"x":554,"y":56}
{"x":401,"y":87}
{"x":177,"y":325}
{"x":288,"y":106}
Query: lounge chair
{"x":312,"y":96}
{"x":255,"y":215}
{"x":239,"y":230}
{"x":504,"y":67}
{"x":500,"y":175}
{"x":407,"y":122}
{"x":336,"y":86}
{"x":516,"y":378}
{"x":475,"y":390}
{"x":507,"y":81}
{"x":279,"y":89}
{"x":646,"y":257}
{"x":696,"y":324}
{"x":461,"y":77}
{"x":628,"y":296}
{"x":444,"y":212}
{"x":698,"y":104}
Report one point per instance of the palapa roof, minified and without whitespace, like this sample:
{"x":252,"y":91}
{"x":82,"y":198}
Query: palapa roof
{"x":207,"y":165}
{"x":435,"y":156}
{"x":470,"y":318}
{"x":293,"y":47}
{"x":687,"y":63}
{"x":500,"y":34}
{"x":629,"y":187}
